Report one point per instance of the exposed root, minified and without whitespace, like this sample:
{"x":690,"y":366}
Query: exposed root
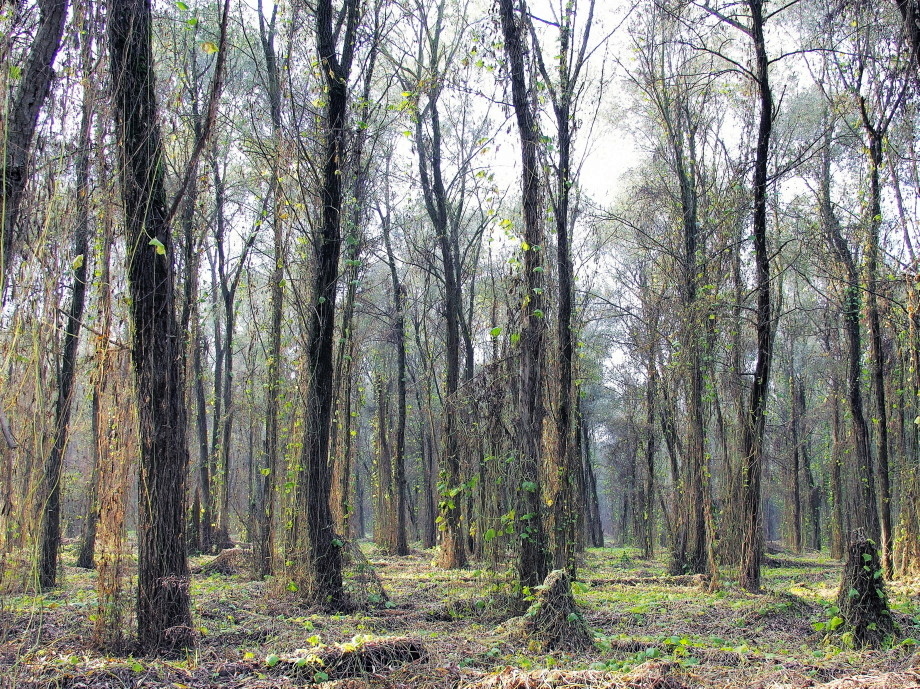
{"x":553,"y":620}
{"x":360,"y":579}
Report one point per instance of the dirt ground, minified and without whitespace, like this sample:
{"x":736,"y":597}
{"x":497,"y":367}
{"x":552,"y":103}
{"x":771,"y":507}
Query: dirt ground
{"x":651,"y":632}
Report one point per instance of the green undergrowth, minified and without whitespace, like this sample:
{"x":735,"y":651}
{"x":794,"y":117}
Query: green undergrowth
{"x":634,"y":612}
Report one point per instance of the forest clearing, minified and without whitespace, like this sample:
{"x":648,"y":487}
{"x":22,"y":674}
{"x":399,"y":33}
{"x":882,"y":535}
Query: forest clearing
{"x":651,"y":631}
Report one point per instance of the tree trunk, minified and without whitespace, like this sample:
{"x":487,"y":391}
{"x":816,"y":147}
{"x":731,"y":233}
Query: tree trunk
{"x":22,"y":118}
{"x":851,"y":307}
{"x":796,"y":469}
{"x":400,"y":546}
{"x":651,"y":395}
{"x":453,"y":550}
{"x":163,"y":616}
{"x":753,"y":428}
{"x":206,"y":537}
{"x":265,"y":524}
{"x":532,"y":558}
{"x":316,"y":551}
{"x":875,"y":341}
{"x":51,"y":493}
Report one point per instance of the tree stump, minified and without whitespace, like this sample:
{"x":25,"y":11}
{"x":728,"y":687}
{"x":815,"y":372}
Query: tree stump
{"x":553,"y":620}
{"x":861,"y":599}
{"x":227,"y":562}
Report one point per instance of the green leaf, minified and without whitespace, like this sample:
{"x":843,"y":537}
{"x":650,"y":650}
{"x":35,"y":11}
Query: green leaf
{"x":834,"y":623}
{"x":210,"y":47}
{"x":866,"y":557}
{"x":853,"y":593}
{"x":321,"y":677}
{"x":158,"y":245}
{"x":271,"y":660}
{"x":495,"y":332}
{"x":182,"y":6}
{"x":529,"y":486}
{"x":77,"y":263}
{"x":137,"y":667}
{"x":489,"y":535}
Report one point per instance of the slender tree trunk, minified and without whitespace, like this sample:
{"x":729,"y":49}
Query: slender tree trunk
{"x":22,"y":118}
{"x":51,"y":516}
{"x":315,"y":548}
{"x":875,"y":345}
{"x":163,"y":615}
{"x":206,"y":537}
{"x":224,"y":422}
{"x":651,"y":396}
{"x":837,"y":526}
{"x":867,"y":516}
{"x":265,"y":524}
{"x":796,"y":469}
{"x":753,"y":428}
{"x":400,"y":546}
{"x":594,"y":524}
{"x":453,"y":550}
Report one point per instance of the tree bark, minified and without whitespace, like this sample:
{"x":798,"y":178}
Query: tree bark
{"x":399,"y":545}
{"x":22,"y":119}
{"x":265,"y":511}
{"x":874,"y":223}
{"x":753,"y":428}
{"x":532,"y":558}
{"x":51,"y":516}
{"x":851,"y":308}
{"x":163,"y":616}
{"x":316,"y":551}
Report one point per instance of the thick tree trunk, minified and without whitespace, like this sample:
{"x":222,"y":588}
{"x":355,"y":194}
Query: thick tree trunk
{"x":163,"y":616}
{"x":532,"y":561}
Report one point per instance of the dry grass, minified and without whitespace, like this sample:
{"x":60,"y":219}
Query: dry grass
{"x":691,"y":638}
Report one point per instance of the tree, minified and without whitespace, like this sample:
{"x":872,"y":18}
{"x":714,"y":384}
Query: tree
{"x":22,"y":119}
{"x":315,"y":548}
{"x":532,"y":559}
{"x":163,"y":615}
{"x":565,"y":88}
{"x":51,"y":516}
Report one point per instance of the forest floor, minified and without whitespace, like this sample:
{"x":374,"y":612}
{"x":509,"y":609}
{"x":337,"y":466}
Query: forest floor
{"x":652,"y":632}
